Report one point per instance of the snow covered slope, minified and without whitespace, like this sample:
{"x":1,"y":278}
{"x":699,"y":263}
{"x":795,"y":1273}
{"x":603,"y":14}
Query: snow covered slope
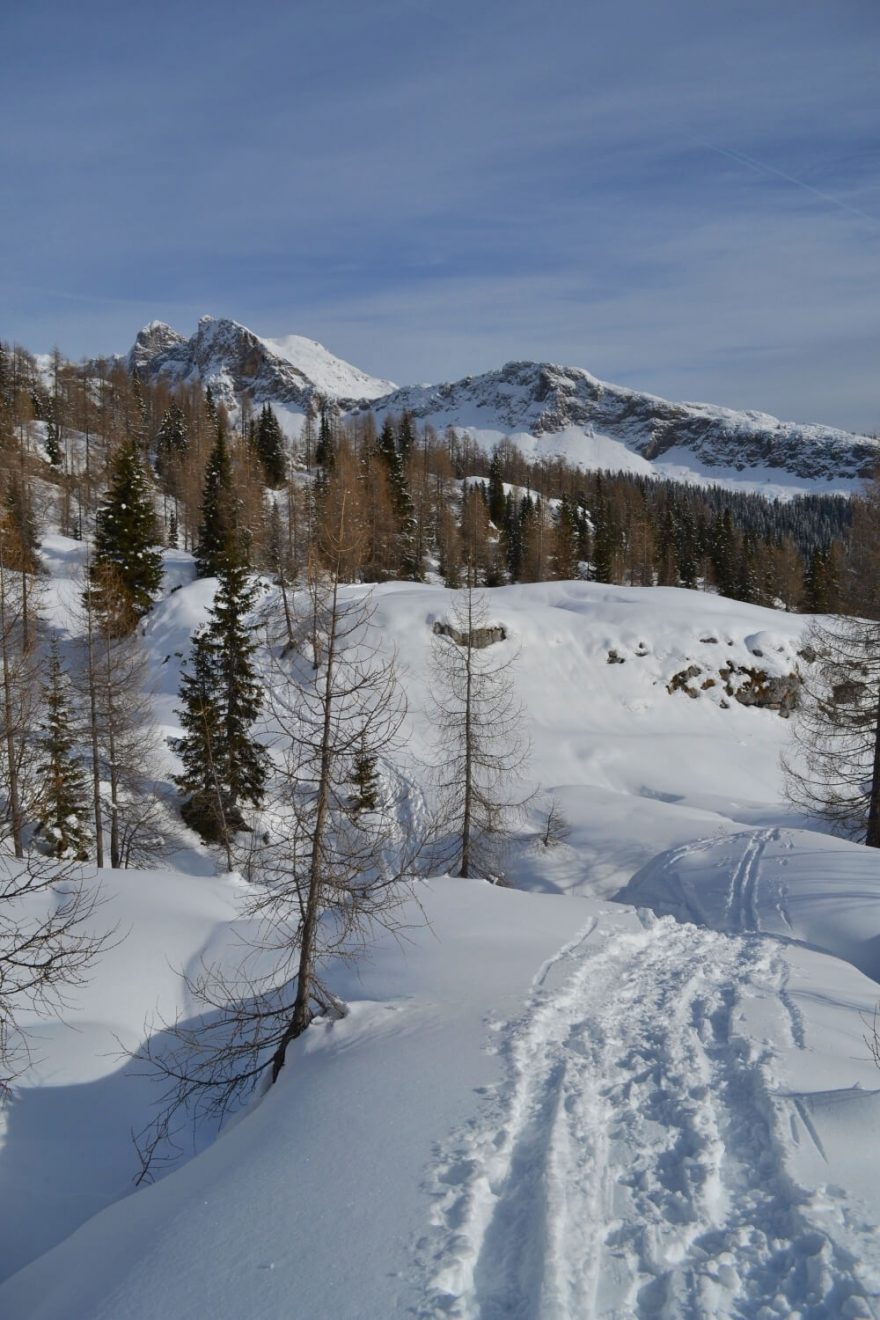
{"x":546,"y":409}
{"x":544,"y":1105}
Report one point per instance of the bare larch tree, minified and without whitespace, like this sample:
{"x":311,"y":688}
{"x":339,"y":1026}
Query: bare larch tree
{"x":482,"y":749}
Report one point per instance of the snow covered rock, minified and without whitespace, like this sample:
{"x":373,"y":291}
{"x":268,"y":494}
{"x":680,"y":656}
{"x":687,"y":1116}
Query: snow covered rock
{"x":233,"y":361}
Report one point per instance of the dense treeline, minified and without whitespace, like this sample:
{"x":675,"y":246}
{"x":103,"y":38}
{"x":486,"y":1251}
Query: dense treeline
{"x":422,"y":502}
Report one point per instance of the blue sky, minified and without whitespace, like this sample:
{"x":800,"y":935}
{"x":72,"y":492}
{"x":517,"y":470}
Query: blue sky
{"x":680,"y":195}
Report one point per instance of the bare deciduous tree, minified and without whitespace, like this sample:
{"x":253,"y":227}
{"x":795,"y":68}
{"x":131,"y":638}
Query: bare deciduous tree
{"x":46,"y":945}
{"x":833,"y":766}
{"x":113,"y":684}
{"x":329,"y":871}
{"x":556,"y":827}
{"x":482,"y":751}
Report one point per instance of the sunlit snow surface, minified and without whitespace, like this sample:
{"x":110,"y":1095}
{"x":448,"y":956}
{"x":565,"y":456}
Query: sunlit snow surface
{"x":634,"y":1085}
{"x":329,"y":374}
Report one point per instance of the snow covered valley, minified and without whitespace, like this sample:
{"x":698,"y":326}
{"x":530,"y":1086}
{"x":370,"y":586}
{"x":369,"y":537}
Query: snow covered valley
{"x":634,"y":1082}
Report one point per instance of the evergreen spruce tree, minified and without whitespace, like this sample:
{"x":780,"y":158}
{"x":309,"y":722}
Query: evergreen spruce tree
{"x":724,"y":554}
{"x":224,"y":766}
{"x":53,"y":436}
{"x":139,"y":422}
{"x":406,"y":435}
{"x":667,"y":553}
{"x":269,"y":444}
{"x":325,"y":450}
{"x":584,"y":537}
{"x":604,"y":542}
{"x":686,"y":548}
{"x":63,"y":805}
{"x":219,"y":541}
{"x":171,"y":440}
{"x":126,"y":569}
{"x":511,"y":536}
{"x":200,"y":749}
{"x":408,"y":564}
{"x":364,"y":779}
{"x":747,"y":576}
{"x":497,"y":501}
{"x":565,"y":544}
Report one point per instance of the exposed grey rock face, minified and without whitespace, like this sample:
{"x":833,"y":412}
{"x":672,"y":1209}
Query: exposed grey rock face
{"x":479,"y":637}
{"x":153,"y":344}
{"x":747,"y":684}
{"x":234,"y":361}
{"x":755,"y":687}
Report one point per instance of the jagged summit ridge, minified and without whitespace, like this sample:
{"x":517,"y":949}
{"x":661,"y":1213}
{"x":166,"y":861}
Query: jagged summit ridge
{"x":234,"y":361}
{"x":543,"y":399}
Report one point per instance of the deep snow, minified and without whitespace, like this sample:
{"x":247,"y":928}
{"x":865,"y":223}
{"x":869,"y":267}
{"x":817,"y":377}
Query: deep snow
{"x":636,"y":1084}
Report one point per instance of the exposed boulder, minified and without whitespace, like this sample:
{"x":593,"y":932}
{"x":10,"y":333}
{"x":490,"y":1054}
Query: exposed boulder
{"x":479,"y":637}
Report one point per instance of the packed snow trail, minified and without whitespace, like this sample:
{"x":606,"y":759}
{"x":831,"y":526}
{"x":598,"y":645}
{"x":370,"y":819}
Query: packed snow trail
{"x":632,"y":1161}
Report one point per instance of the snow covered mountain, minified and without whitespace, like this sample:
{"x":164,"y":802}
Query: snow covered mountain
{"x":548,"y":410}
{"x":564,"y":410}
{"x":233,"y":361}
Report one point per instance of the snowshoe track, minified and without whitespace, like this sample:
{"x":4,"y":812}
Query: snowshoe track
{"x":631,"y":1164}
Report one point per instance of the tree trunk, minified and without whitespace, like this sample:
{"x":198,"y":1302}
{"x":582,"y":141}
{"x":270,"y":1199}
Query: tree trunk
{"x":465,"y":869}
{"x":9,"y":719}
{"x":93,"y":723}
{"x":872,"y":838}
{"x":306,"y":972}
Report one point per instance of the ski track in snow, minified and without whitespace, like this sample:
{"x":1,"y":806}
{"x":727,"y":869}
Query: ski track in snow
{"x":631,"y":1164}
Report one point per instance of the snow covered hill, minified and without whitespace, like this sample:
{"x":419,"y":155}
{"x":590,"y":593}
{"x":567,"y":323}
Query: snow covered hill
{"x":634,"y":1084}
{"x":548,"y":410}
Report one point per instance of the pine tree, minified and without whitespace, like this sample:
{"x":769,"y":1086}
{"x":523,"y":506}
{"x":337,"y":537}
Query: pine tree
{"x":223,"y":765}
{"x":63,"y":805}
{"x":126,"y":569}
{"x":219,"y":541}
{"x":269,"y":444}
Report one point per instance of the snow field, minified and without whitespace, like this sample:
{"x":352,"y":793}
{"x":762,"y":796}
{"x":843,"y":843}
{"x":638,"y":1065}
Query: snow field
{"x":632,"y":1162}
{"x":539,"y":1107}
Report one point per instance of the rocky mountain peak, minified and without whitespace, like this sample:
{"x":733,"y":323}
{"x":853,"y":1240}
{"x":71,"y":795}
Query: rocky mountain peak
{"x":154,"y":341}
